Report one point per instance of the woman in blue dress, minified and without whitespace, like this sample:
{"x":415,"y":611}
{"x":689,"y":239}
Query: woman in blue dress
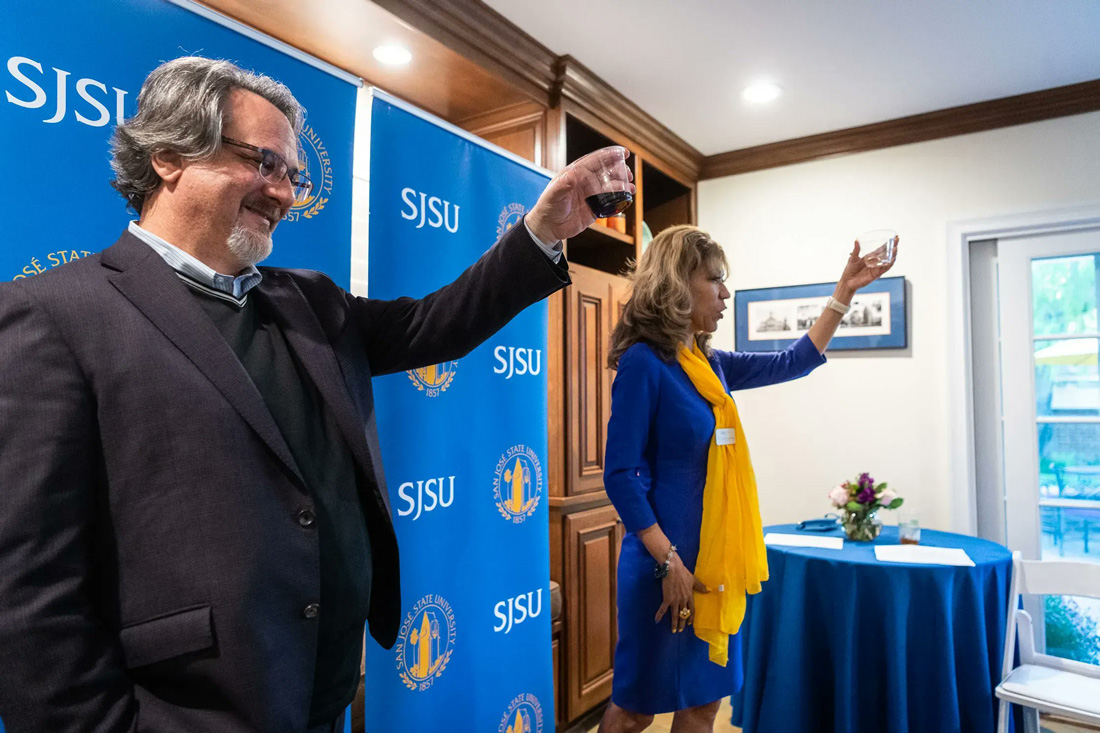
{"x":679,"y":474}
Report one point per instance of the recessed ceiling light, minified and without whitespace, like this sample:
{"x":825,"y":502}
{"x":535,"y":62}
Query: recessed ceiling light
{"x":762,"y":92}
{"x":392,"y":55}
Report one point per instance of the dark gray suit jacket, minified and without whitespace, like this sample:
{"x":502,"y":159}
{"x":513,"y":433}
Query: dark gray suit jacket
{"x":153,"y":575}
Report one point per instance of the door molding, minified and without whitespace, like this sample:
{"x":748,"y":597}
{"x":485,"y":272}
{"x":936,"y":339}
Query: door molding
{"x":964,"y":518}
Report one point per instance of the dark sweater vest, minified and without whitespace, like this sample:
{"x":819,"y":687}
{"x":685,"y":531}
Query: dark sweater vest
{"x":325,"y":462}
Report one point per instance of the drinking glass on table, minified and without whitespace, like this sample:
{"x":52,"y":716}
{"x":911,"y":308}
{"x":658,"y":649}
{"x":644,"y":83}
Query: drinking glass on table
{"x":908,"y":527}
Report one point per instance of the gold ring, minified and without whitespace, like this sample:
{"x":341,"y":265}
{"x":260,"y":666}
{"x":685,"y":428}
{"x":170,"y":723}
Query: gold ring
{"x":685,"y":613}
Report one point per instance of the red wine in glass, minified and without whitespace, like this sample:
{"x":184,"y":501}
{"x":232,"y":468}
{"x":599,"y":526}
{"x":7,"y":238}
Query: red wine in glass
{"x":611,"y":203}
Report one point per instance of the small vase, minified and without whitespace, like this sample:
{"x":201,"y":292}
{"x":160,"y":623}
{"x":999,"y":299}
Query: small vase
{"x":862,"y":526}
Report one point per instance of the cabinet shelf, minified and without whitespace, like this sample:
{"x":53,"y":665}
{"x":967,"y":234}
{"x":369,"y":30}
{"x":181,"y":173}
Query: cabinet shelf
{"x":598,"y":231}
{"x":667,"y":201}
{"x":602,"y":249}
{"x":663,"y":200}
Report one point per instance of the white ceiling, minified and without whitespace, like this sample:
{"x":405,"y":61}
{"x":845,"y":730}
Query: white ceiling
{"x":841,"y":63}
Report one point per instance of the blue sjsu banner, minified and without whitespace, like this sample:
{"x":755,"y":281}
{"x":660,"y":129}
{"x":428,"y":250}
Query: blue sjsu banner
{"x":72,"y":69}
{"x":464,"y":444}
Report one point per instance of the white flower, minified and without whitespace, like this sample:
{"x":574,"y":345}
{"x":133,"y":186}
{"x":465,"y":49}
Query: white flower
{"x":839,"y":496}
{"x":887,"y":496}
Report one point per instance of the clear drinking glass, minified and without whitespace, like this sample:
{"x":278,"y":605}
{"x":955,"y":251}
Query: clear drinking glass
{"x":908,"y":527}
{"x":877,"y":246}
{"x":614,"y":202}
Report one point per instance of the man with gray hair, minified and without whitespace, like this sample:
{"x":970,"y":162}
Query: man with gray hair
{"x":194,"y":523}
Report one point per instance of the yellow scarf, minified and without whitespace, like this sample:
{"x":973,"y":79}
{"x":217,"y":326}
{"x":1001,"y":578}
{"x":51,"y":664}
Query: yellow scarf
{"x":732,"y":559}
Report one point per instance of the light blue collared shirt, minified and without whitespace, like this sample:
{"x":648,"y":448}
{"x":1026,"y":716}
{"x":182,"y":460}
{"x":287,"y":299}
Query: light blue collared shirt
{"x":191,"y":267}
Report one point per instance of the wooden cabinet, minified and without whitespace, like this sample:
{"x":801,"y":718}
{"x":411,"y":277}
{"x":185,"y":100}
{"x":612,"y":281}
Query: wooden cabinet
{"x":594,"y":305}
{"x":664,"y":197}
{"x":519,"y":129}
{"x":589,"y":305}
{"x":592,"y":541}
{"x":590,"y":537}
{"x":620,"y":293}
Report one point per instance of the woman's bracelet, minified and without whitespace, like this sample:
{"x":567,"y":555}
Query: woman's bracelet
{"x":662,"y":568}
{"x":834,"y":304}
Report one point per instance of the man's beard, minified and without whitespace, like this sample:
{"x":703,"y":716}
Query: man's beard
{"x":248,"y":246}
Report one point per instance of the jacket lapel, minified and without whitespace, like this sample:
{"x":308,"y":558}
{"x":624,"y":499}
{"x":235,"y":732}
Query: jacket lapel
{"x":304,"y":334}
{"x":154,"y":289}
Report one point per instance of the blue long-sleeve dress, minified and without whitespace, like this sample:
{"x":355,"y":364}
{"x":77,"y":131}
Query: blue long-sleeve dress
{"x":656,"y":465}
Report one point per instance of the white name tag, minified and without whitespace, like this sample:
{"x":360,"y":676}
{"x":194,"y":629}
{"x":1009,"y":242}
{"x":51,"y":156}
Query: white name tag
{"x":725,"y":436}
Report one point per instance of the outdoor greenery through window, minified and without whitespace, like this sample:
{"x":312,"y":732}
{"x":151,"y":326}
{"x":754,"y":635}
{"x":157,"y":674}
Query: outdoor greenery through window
{"x":1071,"y":630}
{"x":1064,"y":295}
{"x":1067,"y":395}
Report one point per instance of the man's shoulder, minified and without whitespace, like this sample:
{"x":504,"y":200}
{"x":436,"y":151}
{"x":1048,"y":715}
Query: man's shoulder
{"x":328,"y":301}
{"x":298,"y":274}
{"x":70,"y":294}
{"x":73,"y":276}
{"x":88,"y":273}
{"x":313,"y":283}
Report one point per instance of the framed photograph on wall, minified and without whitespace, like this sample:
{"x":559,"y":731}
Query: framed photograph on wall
{"x":771,"y":319}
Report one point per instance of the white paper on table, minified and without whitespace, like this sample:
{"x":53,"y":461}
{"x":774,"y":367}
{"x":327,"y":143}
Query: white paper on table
{"x":923,"y":555}
{"x":802,"y":540}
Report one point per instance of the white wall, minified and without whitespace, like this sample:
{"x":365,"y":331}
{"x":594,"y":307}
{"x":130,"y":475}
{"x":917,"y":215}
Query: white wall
{"x":884,"y":412}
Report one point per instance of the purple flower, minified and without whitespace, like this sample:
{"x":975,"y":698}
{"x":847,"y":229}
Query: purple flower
{"x":866,"y":495}
{"x":865,"y":481}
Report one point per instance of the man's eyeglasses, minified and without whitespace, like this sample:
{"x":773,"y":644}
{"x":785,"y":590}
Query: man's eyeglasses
{"x":273,"y":169}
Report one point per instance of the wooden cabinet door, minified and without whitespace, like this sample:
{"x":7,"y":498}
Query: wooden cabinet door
{"x":592,"y":542}
{"x":620,"y":293}
{"x":588,"y":322}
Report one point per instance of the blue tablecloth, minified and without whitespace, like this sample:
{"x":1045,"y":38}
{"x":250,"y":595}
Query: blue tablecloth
{"x":838,"y":641}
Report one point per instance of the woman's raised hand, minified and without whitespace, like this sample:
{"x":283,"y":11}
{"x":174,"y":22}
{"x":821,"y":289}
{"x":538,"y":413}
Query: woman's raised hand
{"x":862,"y":271}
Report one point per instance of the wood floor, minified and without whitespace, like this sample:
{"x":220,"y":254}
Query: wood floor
{"x":663,"y":724}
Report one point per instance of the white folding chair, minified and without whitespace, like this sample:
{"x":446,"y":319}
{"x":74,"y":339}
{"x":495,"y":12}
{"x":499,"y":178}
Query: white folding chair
{"x":1043,"y":683}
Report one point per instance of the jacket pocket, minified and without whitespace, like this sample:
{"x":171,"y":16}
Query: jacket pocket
{"x":165,"y":637}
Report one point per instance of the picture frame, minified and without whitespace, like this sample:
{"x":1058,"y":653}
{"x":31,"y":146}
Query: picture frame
{"x":771,"y":319}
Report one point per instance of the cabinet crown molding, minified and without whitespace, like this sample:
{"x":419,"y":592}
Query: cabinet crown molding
{"x":578,"y":84}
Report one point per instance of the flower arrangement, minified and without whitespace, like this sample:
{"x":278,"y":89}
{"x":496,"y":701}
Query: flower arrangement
{"x":860,"y":501}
